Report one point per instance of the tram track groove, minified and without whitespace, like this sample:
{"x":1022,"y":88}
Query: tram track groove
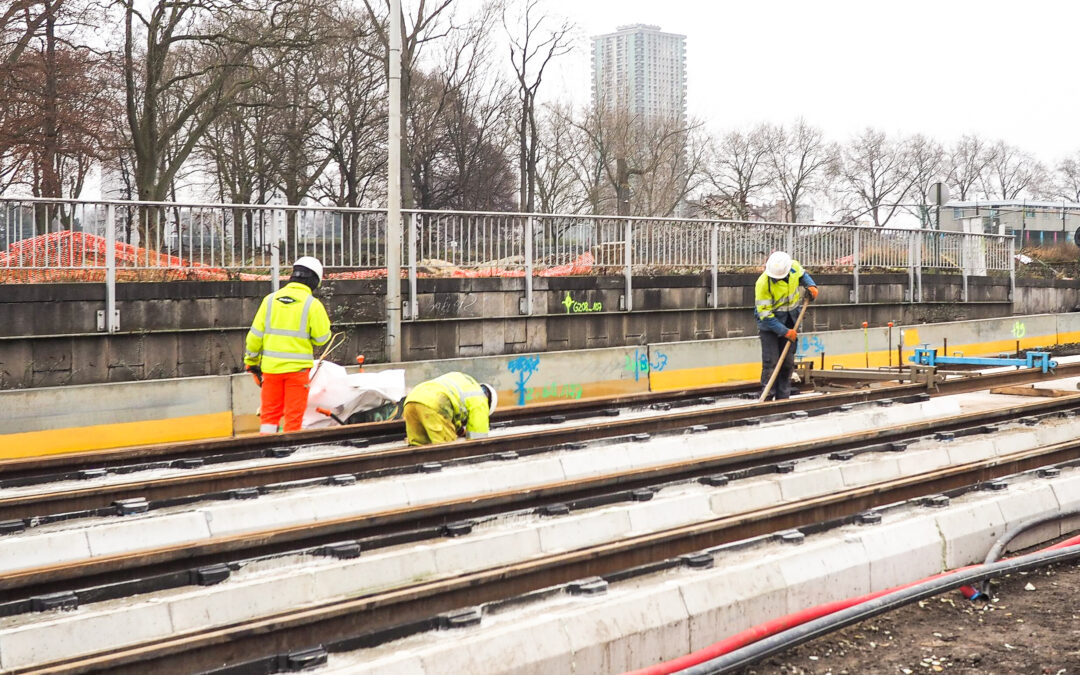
{"x":329,"y":621}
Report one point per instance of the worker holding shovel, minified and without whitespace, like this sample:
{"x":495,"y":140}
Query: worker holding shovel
{"x":776,"y":306}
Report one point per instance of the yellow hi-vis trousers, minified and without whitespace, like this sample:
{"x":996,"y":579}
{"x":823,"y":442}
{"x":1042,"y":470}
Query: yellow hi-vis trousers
{"x":424,"y":426}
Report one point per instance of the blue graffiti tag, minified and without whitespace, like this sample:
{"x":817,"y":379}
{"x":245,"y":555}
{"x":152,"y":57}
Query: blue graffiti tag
{"x":525,"y":367}
{"x":639,"y":363}
{"x":810,"y":345}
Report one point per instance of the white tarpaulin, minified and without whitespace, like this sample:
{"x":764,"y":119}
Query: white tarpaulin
{"x":333,"y":389}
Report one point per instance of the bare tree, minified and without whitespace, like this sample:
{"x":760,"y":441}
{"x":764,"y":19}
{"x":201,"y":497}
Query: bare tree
{"x":739,"y":169}
{"x":872,"y":168}
{"x":1012,"y":173}
{"x":967,"y":160}
{"x":560,"y":183}
{"x":925,"y":165}
{"x":184,"y":62}
{"x":1066,"y":180}
{"x":355,"y":113}
{"x":531,"y":50}
{"x":799,"y":158}
{"x":431,"y":21}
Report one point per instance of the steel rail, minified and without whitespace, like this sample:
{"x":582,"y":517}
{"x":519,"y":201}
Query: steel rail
{"x":330,"y":621}
{"x":390,"y":430}
{"x":105,"y":570}
{"x":29,"y":466}
{"x":205,"y":483}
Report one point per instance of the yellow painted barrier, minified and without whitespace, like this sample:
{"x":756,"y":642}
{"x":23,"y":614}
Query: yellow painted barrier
{"x":119,"y":435}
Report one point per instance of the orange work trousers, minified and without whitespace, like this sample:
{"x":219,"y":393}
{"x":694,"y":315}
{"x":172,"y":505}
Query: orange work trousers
{"x":284,"y":395}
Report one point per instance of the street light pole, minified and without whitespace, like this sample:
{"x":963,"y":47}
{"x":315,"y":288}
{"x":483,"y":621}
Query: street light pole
{"x":393,"y":190}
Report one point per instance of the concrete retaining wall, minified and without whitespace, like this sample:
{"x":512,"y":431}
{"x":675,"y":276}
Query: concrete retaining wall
{"x":184,"y":329}
{"x":63,"y":419}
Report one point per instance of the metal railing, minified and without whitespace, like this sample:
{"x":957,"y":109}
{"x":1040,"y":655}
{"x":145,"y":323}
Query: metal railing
{"x":109,"y":241}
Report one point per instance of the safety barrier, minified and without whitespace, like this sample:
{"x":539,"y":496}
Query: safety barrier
{"x":64,"y":419}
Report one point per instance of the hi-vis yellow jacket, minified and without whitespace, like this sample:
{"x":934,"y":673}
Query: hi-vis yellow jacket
{"x":285,"y":329}
{"x":776,"y":301}
{"x":457,"y":397}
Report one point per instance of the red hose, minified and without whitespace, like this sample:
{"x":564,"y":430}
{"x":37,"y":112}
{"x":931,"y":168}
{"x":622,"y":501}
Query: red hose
{"x":773,"y":626}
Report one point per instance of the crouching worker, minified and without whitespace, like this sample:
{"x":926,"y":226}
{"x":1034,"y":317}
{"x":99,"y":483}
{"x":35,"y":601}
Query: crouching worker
{"x":438,"y":410}
{"x":776,"y":306}
{"x":280,"y":344}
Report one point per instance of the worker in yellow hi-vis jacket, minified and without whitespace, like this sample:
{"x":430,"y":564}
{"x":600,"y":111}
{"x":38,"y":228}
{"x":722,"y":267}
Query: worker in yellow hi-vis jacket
{"x":776,"y":307}
{"x":280,"y":346}
{"x":438,"y":410}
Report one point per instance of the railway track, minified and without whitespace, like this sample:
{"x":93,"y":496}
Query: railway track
{"x":17,"y":510}
{"x":346,"y":622}
{"x":342,"y":622}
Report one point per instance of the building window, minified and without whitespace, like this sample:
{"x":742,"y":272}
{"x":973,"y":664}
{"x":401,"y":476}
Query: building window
{"x":957,"y":214}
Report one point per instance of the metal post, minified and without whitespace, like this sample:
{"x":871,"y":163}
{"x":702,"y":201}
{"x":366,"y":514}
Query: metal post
{"x":789,"y":239}
{"x":529,"y":266}
{"x":965,"y":240}
{"x":275,"y":255}
{"x":714,"y":262}
{"x":393,"y":192}
{"x":855,"y":262}
{"x":1012,"y":270}
{"x":628,"y":252}
{"x":112,"y":316}
{"x":918,"y":266}
{"x":911,"y":266}
{"x":413,"y":311}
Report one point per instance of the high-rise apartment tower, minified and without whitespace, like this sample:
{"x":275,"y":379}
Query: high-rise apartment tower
{"x":641,"y":69}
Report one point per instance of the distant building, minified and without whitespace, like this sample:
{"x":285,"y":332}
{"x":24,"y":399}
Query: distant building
{"x":641,"y":69}
{"x":1030,"y":223}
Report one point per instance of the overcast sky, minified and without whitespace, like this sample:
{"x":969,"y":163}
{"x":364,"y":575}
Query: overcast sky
{"x":944,"y":68}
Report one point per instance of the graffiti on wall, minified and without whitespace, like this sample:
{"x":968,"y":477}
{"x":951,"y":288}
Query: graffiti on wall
{"x":810,"y":345}
{"x":1019,"y":330}
{"x":579,"y":307}
{"x":524,"y":367}
{"x":638,"y":363}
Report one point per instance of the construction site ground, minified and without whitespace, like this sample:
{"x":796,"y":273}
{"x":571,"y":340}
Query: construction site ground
{"x":1030,"y":626}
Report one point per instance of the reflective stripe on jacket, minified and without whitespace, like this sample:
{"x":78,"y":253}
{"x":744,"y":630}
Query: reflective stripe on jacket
{"x":457,"y":397}
{"x":285,"y":329}
{"x":776,"y":301}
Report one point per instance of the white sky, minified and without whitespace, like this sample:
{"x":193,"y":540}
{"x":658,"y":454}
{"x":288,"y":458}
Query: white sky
{"x":945,"y":68}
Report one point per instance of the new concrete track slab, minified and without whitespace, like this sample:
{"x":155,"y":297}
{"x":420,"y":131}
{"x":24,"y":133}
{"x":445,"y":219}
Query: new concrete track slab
{"x":287,"y":583}
{"x":658,"y":617}
{"x":190,"y":523}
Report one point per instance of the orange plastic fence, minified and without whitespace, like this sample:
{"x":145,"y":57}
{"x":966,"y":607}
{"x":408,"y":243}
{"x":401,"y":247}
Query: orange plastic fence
{"x":80,"y":256}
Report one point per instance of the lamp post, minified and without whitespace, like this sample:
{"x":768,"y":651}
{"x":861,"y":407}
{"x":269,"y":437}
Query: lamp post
{"x":393,"y":190}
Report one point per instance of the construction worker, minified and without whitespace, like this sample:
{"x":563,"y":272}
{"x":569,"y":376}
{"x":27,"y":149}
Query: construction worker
{"x":280,"y":346}
{"x":776,"y":306}
{"x":438,"y":410}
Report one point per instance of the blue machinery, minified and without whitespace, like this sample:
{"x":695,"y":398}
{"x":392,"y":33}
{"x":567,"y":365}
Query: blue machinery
{"x":925,"y":356}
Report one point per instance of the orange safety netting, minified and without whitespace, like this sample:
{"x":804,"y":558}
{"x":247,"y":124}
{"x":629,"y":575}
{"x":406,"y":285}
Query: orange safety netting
{"x":79,"y":256}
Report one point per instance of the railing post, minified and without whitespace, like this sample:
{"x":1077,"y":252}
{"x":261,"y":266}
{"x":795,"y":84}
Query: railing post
{"x":528,"y":266}
{"x":855,"y":263}
{"x":714,"y":262}
{"x":911,"y":265}
{"x":112,"y":315}
{"x":918,"y":266}
{"x":413,"y":308}
{"x":965,"y":241}
{"x":1012,"y":270}
{"x":628,"y":253}
{"x":275,"y":254}
{"x":789,"y":240}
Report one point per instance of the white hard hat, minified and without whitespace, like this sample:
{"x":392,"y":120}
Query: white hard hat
{"x":310,"y":263}
{"x":493,"y":396}
{"x":779,"y":265}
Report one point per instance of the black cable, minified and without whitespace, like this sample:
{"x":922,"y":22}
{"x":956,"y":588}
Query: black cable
{"x":810,"y":630}
{"x":998,"y":549}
